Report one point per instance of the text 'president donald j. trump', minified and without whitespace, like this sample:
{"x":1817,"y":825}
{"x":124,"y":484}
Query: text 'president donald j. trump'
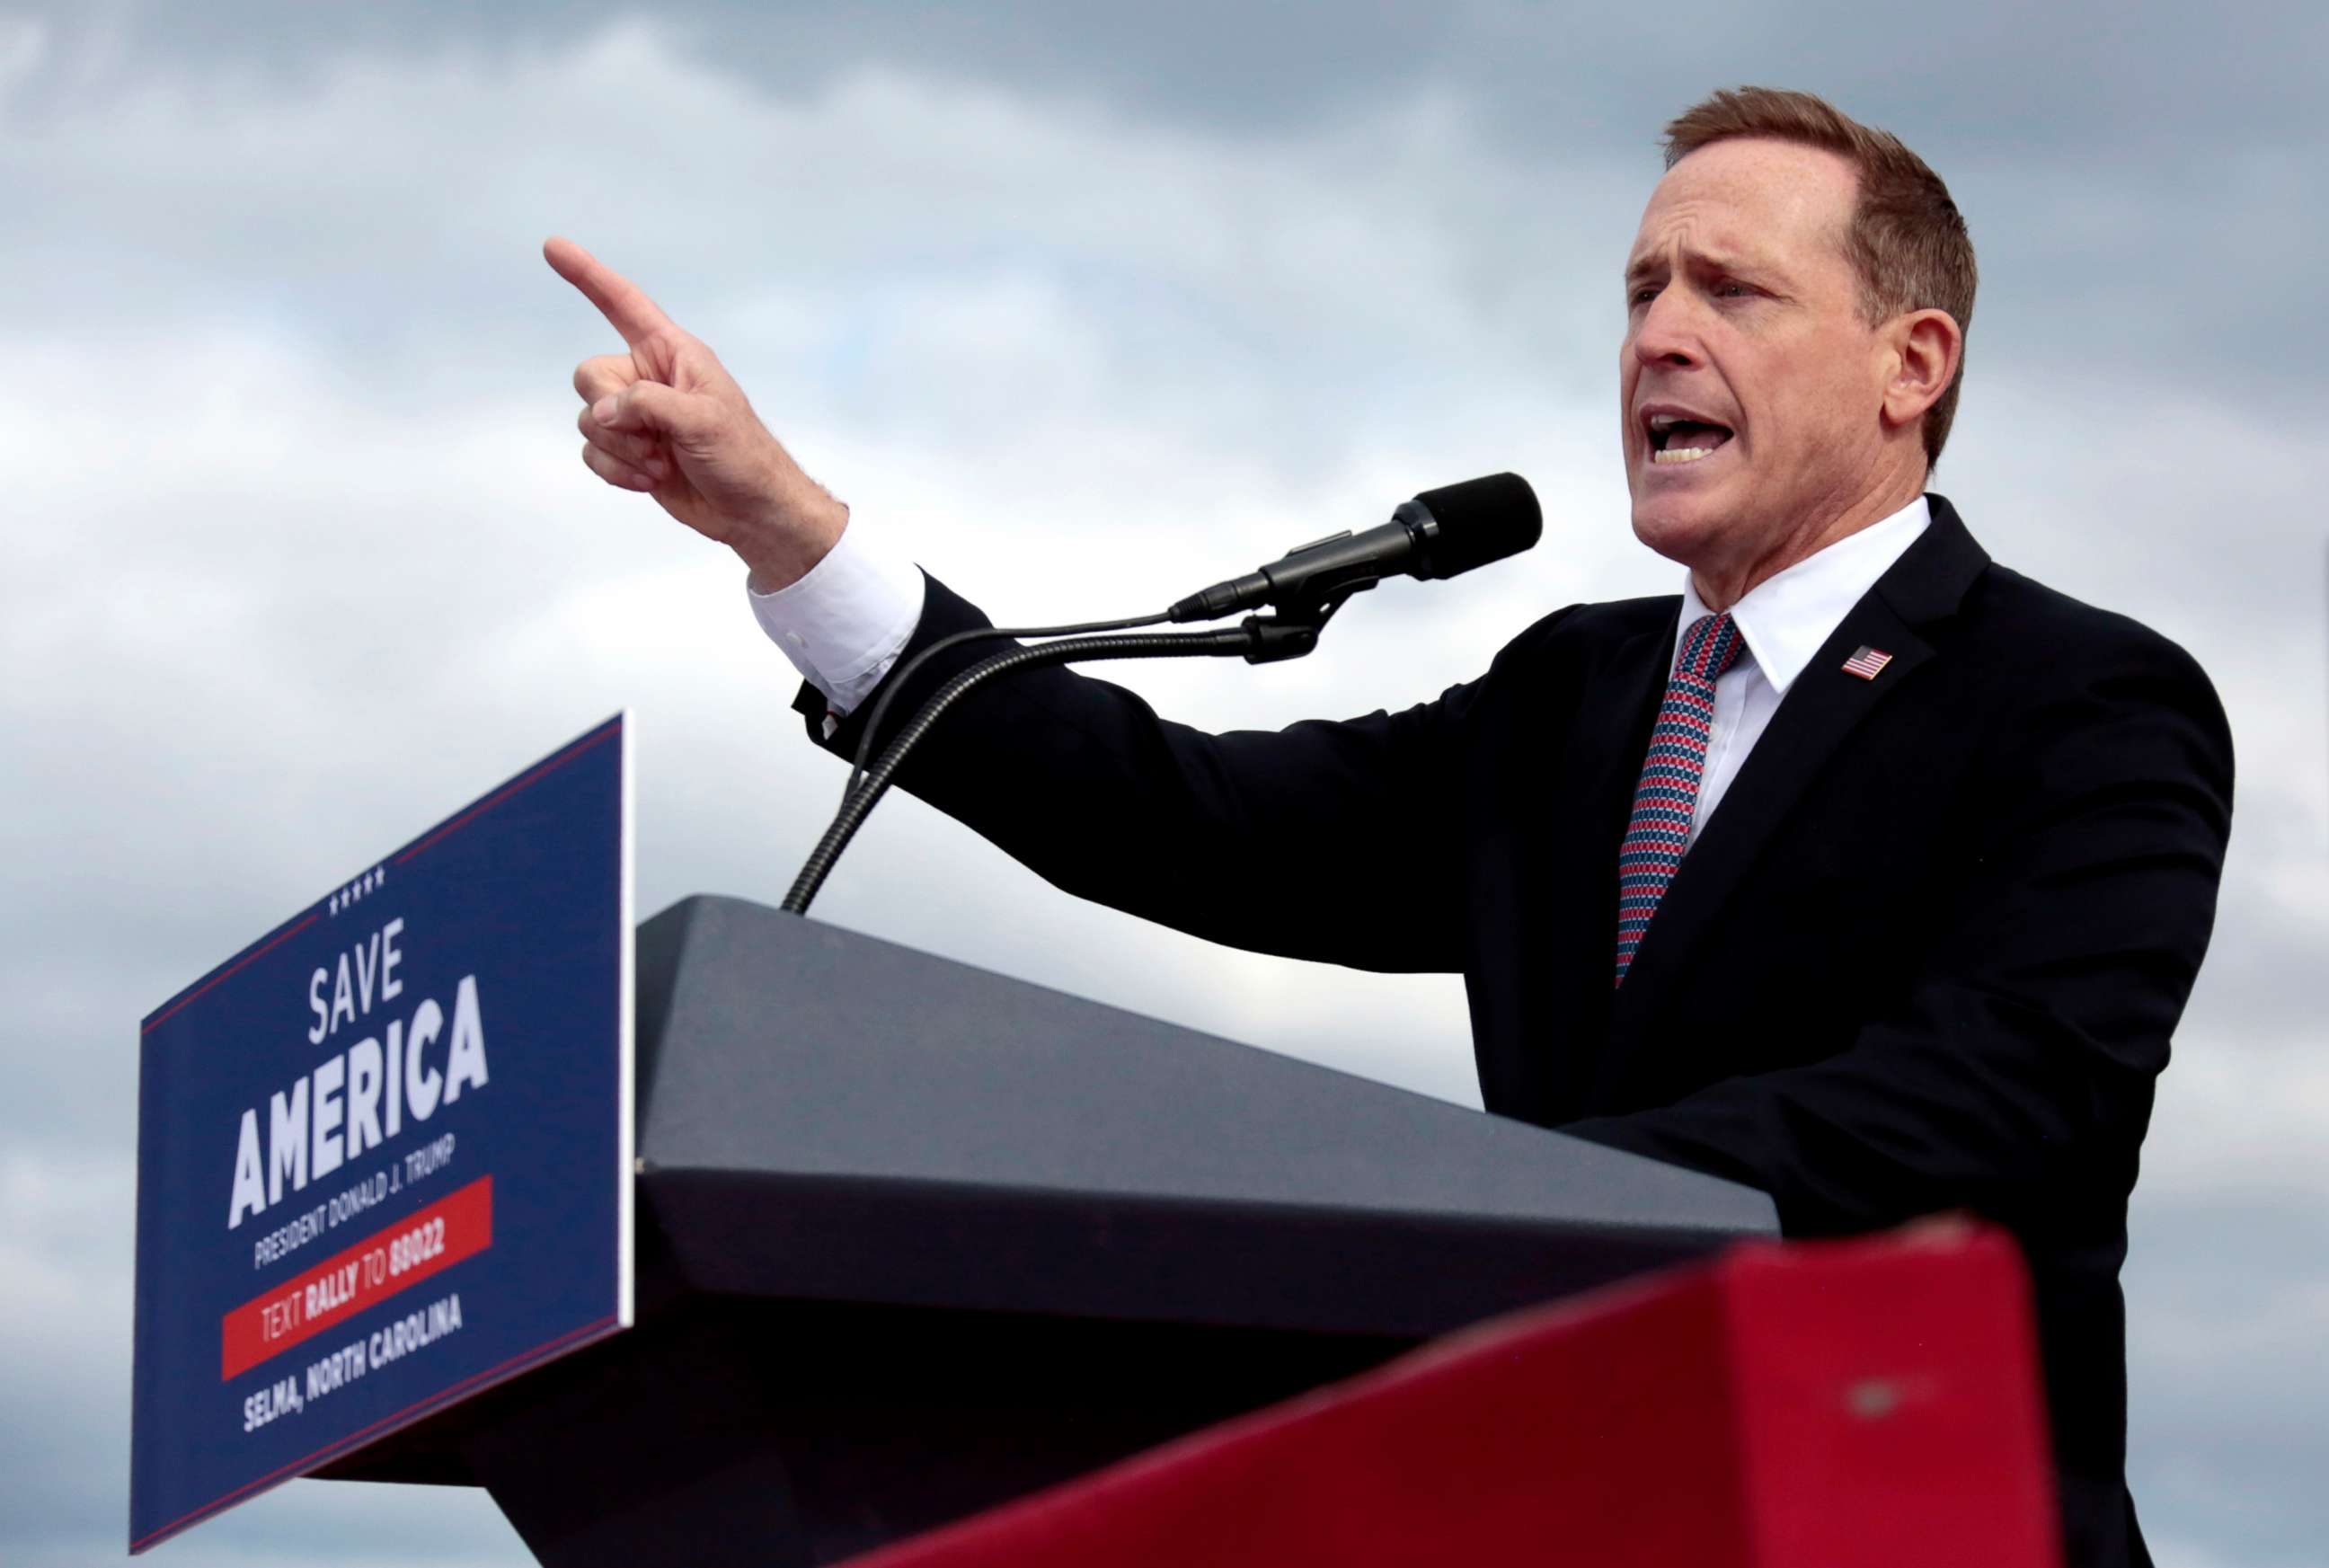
{"x":1864,"y":870}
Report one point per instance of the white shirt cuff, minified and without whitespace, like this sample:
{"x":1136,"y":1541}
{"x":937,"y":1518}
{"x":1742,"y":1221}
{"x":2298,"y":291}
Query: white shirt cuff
{"x":843,"y":623}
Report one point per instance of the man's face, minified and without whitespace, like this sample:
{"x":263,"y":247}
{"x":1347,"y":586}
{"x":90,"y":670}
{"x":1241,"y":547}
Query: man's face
{"x":1741,"y":315}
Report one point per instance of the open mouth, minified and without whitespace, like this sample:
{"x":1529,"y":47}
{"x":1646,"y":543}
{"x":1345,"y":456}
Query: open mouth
{"x":1674,"y":439}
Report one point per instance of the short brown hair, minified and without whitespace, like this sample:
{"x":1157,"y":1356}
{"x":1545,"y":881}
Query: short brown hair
{"x":1908,"y":243}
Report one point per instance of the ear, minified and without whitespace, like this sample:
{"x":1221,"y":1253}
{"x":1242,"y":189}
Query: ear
{"x":1923,"y":350}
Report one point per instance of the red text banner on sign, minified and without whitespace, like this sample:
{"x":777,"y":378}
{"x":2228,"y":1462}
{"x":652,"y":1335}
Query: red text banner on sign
{"x":457,"y":1225}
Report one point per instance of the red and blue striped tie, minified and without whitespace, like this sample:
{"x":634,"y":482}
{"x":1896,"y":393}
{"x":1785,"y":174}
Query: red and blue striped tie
{"x":1659,"y":829}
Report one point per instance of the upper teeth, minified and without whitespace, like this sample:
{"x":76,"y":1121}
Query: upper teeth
{"x":1668,"y":421}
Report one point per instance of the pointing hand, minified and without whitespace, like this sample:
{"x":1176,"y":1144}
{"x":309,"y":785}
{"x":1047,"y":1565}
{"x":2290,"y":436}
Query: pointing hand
{"x":666,"y":419}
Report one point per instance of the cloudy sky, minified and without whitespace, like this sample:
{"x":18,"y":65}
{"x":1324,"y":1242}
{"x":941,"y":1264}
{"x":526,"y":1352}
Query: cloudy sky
{"x":1069,"y":301}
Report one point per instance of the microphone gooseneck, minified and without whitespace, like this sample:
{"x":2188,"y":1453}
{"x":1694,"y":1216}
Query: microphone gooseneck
{"x":1239,"y":641}
{"x":1440,"y":534}
{"x":900,"y":678}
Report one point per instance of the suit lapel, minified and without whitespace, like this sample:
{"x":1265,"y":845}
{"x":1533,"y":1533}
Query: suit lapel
{"x":1575,"y":860}
{"x":1822,"y":708}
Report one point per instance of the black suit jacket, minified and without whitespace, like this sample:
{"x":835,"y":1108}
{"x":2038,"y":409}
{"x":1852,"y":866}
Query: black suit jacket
{"x":1925,"y":955}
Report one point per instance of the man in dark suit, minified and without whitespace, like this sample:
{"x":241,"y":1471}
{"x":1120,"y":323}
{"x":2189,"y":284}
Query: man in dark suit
{"x":1928,"y":952}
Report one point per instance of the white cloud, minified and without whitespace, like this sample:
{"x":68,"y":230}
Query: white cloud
{"x":23,"y":46}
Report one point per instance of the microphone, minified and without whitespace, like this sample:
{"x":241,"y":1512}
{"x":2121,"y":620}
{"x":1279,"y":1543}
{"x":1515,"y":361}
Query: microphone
{"x":1440,"y":534}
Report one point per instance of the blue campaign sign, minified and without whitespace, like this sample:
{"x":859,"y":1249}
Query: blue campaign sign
{"x":384,"y":1152}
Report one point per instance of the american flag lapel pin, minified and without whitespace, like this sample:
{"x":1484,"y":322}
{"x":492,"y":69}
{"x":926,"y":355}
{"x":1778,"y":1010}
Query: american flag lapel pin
{"x":1868,"y":662}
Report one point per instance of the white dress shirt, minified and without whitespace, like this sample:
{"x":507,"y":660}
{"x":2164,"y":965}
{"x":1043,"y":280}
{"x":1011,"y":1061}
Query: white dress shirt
{"x":1783,"y":620}
{"x":843,"y":624}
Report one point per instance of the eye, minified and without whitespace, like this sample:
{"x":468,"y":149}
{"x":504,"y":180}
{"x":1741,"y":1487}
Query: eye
{"x":1732,"y":289}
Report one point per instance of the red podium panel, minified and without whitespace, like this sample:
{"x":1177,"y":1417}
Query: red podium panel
{"x":1804,"y":1406}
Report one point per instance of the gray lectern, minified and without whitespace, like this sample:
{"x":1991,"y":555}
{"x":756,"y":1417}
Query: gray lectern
{"x":915,"y":1239}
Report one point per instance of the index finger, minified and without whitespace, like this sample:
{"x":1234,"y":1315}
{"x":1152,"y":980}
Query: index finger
{"x":622,"y":302}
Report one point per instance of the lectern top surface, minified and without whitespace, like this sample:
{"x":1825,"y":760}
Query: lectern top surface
{"x":777,"y":1044}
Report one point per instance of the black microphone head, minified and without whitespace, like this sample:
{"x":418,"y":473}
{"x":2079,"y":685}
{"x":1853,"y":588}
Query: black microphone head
{"x":1459,"y":526}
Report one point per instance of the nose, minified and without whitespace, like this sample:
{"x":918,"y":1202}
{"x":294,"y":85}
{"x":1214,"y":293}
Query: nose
{"x":1666,"y":332}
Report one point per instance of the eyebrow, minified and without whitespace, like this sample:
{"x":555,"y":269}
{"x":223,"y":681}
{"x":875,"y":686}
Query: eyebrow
{"x":1642,"y":266}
